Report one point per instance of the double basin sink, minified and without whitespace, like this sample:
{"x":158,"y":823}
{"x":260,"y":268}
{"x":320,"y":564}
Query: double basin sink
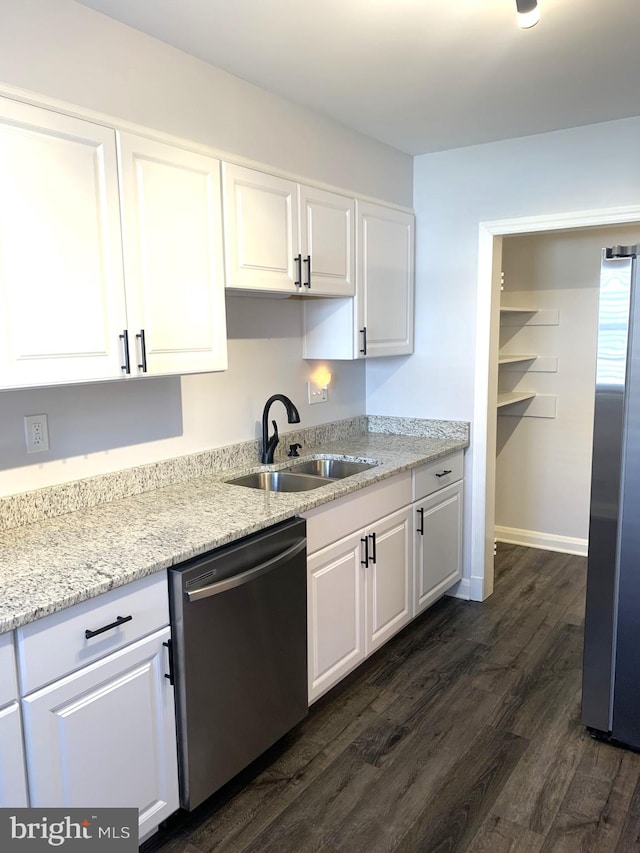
{"x":302,"y":476}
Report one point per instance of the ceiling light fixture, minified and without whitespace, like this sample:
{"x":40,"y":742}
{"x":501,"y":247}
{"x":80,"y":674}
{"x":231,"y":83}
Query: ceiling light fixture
{"x":528,"y":13}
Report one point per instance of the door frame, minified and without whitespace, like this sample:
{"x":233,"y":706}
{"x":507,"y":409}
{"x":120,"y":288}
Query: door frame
{"x":491,"y":232}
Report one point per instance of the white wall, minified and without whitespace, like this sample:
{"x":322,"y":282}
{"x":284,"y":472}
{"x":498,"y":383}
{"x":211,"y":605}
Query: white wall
{"x":577,"y":169}
{"x":104,"y":427}
{"x":543,"y":467}
{"x":67,"y":52}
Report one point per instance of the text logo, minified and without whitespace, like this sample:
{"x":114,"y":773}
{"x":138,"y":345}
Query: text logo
{"x":69,"y":829}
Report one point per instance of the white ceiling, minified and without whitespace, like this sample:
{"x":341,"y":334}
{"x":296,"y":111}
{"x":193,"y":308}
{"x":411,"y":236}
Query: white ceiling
{"x":421,"y":75}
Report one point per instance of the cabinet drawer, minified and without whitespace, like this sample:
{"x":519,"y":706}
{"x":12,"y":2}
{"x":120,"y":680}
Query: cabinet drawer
{"x":330,"y":522}
{"x":436,"y":475}
{"x":8,"y":683}
{"x":56,"y":645}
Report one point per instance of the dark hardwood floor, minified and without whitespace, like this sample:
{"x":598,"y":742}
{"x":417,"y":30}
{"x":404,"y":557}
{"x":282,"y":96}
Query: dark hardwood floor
{"x":462,"y":734}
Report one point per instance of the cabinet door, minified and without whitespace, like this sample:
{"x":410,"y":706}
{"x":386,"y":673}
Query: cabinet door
{"x":385,"y":279}
{"x":8,"y":680}
{"x":105,"y":735}
{"x":378,"y":321}
{"x":439,"y":545}
{"x":174,"y":270}
{"x":260,"y":231}
{"x":13,"y":780}
{"x":327,"y":242}
{"x":335,"y":610}
{"x":62,"y":298}
{"x":389,"y":578}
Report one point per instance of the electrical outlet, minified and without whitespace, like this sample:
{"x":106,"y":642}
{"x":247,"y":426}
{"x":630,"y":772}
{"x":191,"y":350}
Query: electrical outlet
{"x":317,"y":393}
{"x":36,"y":433}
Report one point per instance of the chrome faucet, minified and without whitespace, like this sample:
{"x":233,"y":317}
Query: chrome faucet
{"x":269,"y":444}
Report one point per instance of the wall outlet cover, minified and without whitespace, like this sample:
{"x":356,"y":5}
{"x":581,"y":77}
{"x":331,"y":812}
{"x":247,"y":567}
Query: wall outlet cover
{"x":36,"y":433}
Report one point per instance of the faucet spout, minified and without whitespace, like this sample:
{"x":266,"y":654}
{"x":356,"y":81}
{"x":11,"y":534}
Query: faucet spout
{"x":269,"y":443}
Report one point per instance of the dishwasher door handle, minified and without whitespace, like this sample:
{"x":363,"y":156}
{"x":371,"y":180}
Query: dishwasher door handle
{"x":245,"y":577}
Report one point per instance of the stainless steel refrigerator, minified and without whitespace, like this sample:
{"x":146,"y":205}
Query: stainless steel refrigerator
{"x":611,"y":671}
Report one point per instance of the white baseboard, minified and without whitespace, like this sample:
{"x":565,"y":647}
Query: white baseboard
{"x":476,"y":589}
{"x":460,"y":590}
{"x":546,"y":541}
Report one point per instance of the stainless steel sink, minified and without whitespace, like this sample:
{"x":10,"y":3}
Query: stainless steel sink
{"x":302,"y":476}
{"x":333,"y":469}
{"x":280,"y":481}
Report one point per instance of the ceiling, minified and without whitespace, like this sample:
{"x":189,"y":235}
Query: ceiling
{"x":421,"y":75}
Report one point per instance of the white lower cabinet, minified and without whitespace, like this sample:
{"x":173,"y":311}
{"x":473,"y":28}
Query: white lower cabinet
{"x":359,"y":588}
{"x":13,"y":779}
{"x":390,"y":577}
{"x":438,"y":553}
{"x":336,"y":619}
{"x":98,"y":706}
{"x":364,"y":585}
{"x":105,"y":735}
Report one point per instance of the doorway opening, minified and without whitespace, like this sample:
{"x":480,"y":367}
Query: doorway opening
{"x":488,"y":380}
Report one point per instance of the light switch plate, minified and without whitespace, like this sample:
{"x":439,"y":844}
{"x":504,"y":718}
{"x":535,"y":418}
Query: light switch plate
{"x":317,"y":393}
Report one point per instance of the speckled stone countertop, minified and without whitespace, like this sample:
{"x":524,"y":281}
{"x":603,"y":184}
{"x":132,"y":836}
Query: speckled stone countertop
{"x":58,"y":562}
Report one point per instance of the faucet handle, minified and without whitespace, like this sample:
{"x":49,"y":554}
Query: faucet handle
{"x":293,"y":449}
{"x":272,"y":443}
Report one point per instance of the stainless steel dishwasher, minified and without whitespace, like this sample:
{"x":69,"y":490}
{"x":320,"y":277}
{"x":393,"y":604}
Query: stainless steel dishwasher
{"x":239,"y":652}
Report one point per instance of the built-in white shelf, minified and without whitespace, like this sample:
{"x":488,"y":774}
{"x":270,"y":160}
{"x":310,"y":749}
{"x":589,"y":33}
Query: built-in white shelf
{"x":513,"y":359}
{"x":514,"y":397}
{"x":532,"y":404}
{"x":529,"y":316}
{"x":527,"y":404}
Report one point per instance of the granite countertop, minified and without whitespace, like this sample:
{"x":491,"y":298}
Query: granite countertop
{"x":58,"y":562}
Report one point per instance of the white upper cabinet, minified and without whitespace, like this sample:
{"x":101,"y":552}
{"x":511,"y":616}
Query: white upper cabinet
{"x":327,"y":242}
{"x":62,"y":303}
{"x":283,"y":237}
{"x":72,"y":308}
{"x":379,"y":320}
{"x":115,"y":251}
{"x":261,"y":231}
{"x":385,"y":280}
{"x":173,"y":258}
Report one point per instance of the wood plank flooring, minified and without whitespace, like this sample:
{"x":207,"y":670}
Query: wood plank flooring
{"x":462,"y":734}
